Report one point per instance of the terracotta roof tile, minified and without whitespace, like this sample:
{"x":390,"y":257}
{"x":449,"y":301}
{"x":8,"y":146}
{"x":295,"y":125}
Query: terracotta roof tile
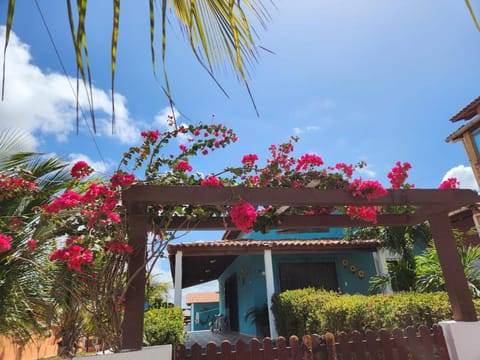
{"x":277,"y":244}
{"x":201,"y":297}
{"x":468,"y":111}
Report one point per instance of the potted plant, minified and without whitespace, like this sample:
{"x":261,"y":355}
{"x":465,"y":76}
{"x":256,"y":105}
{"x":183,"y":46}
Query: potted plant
{"x":258,"y":315}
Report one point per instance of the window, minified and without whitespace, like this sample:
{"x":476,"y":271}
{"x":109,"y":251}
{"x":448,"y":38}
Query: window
{"x":321,"y":275}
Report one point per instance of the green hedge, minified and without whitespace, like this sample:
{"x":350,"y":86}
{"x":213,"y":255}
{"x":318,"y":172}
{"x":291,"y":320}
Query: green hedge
{"x":310,"y":311}
{"x":163,"y":326}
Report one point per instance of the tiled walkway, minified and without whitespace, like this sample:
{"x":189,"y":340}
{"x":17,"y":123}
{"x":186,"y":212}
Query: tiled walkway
{"x":205,"y":336}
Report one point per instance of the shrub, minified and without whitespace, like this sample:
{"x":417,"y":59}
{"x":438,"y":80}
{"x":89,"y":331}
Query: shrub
{"x":310,"y":311}
{"x":163,"y":326}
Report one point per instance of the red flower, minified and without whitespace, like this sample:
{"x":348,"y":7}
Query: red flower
{"x":65,"y":201}
{"x":5,"y":243}
{"x":243,"y":215}
{"x":122,"y":179}
{"x":80,"y":169}
{"x":119,"y":247}
{"x":150,"y":135}
{"x":182,"y":166}
{"x":183,"y":148}
{"x":32,"y":244}
{"x":347,"y":169}
{"x":399,"y":174}
{"x":249,"y":160}
{"x":211,"y":181}
{"x":75,"y":255}
{"x":368,"y":189}
{"x":367,"y":213}
{"x":308,"y":160}
{"x":450,"y":183}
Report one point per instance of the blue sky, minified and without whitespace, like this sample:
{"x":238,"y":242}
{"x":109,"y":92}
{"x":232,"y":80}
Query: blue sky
{"x":357,"y":80}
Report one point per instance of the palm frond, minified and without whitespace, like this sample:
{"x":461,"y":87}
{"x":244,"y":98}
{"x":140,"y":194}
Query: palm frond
{"x":11,"y":9}
{"x":472,"y":14}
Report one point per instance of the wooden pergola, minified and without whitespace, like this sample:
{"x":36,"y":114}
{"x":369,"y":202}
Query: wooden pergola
{"x":433,"y":206}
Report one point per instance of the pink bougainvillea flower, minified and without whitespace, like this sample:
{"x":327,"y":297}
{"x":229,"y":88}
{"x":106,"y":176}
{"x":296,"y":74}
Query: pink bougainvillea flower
{"x":65,"y":201}
{"x":5,"y":243}
{"x":211,"y":181}
{"x":119,"y":247}
{"x":151,"y":135}
{"x":14,"y":185}
{"x":183,"y":148}
{"x":450,"y":183}
{"x":74,"y":255}
{"x":182,"y":165}
{"x":399,"y":174}
{"x":347,"y":169}
{"x":32,"y":244}
{"x":243,"y":215}
{"x":308,"y":160}
{"x":122,"y":179}
{"x":249,"y":159}
{"x":367,"y":213}
{"x":367,"y":189}
{"x":80,"y":169}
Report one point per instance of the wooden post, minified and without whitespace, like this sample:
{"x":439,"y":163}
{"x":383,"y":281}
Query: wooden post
{"x":455,"y":282}
{"x":132,"y":327}
{"x":472,"y":153}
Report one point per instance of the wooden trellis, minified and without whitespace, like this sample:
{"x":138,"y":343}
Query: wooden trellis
{"x":427,"y":205}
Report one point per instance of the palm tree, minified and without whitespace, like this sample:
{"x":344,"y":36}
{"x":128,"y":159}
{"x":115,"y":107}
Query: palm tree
{"x":24,"y":286}
{"x":430,"y":276}
{"x":400,"y":240}
{"x":218,"y":32}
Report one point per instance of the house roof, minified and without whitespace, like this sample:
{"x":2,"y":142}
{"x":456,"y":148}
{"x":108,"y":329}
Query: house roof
{"x":468,"y":111}
{"x":201,"y":297}
{"x":458,"y":134}
{"x":206,"y":261}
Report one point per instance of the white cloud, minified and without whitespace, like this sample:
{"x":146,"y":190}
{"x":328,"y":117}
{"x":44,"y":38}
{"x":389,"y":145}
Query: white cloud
{"x":308,"y":128}
{"x":366,"y":172}
{"x":42,"y":103}
{"x":164,"y":121}
{"x":464,"y":175}
{"x":99,"y":166}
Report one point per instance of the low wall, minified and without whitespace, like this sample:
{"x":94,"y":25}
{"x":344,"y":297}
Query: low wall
{"x":34,"y":349}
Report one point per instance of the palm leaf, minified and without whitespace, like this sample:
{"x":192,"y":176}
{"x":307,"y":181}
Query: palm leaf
{"x":116,"y":21}
{"x":472,"y":14}
{"x":11,"y":8}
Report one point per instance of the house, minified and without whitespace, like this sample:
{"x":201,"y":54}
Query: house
{"x":250,"y":268}
{"x":203,"y":308}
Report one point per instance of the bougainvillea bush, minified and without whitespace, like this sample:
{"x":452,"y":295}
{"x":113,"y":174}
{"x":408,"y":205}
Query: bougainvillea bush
{"x":85,"y":223}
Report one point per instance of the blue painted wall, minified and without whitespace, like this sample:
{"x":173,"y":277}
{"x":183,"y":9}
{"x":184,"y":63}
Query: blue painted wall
{"x":349,"y":281}
{"x":202,"y":314}
{"x":251,"y":288}
{"x":251,"y":284}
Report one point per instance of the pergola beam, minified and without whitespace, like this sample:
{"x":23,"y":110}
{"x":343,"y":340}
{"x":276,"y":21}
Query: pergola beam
{"x":295,"y":197}
{"x":294,"y":222}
